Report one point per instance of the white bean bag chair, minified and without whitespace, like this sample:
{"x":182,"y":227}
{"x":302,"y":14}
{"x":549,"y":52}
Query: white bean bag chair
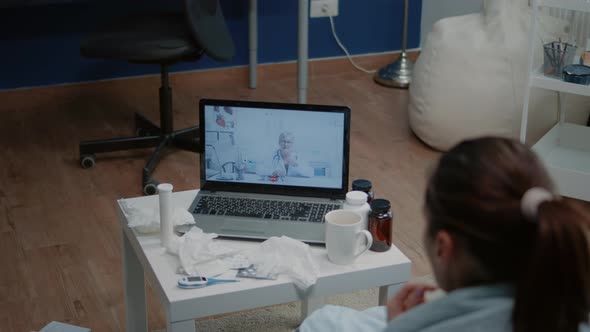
{"x":469,"y":79}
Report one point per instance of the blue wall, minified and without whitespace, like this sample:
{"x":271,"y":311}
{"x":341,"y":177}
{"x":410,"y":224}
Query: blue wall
{"x":39,"y":45}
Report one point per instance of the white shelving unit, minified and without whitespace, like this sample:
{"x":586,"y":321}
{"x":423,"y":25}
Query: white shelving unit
{"x":565,"y":149}
{"x":577,"y":5}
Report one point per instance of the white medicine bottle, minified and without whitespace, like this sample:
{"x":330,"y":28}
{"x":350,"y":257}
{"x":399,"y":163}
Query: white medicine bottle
{"x":356,"y":201}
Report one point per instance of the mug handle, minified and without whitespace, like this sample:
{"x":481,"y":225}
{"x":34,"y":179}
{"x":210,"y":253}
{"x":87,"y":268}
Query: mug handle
{"x":369,"y":241}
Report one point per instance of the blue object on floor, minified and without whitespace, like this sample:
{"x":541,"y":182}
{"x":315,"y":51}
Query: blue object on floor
{"x":62,"y":327}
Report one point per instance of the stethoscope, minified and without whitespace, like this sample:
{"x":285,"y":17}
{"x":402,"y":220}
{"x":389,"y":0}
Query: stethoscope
{"x":277,"y":156}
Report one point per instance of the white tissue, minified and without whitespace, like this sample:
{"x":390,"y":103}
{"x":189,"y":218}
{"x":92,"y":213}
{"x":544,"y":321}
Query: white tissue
{"x":201,"y":256}
{"x":284,"y":255}
{"x":146,"y":220}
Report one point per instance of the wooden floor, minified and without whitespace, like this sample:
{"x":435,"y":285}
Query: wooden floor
{"x":59,"y":238}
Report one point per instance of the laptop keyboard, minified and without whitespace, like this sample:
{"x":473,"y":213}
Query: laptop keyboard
{"x":264,"y":208}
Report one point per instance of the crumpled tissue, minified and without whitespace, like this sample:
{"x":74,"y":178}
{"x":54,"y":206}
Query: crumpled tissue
{"x":147,"y":219}
{"x":201,"y":256}
{"x":285,"y":255}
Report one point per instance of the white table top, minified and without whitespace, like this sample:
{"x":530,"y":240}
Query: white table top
{"x":370,"y":270}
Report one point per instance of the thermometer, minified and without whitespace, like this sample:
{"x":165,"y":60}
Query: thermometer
{"x":198,"y":282}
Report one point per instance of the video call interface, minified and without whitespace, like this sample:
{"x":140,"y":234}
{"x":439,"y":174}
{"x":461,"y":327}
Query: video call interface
{"x":274,"y":146}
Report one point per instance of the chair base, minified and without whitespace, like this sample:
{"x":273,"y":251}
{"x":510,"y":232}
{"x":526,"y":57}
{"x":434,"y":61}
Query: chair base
{"x":148,"y":135}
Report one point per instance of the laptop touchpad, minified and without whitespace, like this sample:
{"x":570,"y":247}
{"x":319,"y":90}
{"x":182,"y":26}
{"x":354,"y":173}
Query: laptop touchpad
{"x":244,"y":227}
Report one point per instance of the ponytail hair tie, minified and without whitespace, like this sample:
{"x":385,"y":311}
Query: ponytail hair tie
{"x":532,"y":198}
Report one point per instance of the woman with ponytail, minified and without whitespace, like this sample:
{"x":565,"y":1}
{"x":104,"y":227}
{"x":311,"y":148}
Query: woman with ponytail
{"x":511,"y":255}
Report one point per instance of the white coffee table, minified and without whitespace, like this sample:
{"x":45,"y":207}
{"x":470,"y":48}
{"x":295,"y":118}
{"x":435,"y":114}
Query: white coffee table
{"x":144,"y":254}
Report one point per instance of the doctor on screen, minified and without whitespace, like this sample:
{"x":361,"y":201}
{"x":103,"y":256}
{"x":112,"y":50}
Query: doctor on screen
{"x":285,"y":161}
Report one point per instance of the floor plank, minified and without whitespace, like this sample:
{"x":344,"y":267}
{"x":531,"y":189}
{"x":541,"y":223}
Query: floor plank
{"x":59,"y":237}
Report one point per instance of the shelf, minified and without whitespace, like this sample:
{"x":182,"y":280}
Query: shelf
{"x":565,"y":150}
{"x":538,"y":80}
{"x":579,"y":5}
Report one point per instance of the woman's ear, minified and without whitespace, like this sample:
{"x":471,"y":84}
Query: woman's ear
{"x":444,"y":247}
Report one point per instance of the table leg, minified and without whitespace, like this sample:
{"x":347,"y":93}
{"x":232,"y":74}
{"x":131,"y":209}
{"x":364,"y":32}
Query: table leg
{"x":133,"y":281}
{"x":310,"y":305}
{"x":252,"y":42}
{"x":387,"y":292}
{"x":184,"y":326}
{"x":302,"y":51}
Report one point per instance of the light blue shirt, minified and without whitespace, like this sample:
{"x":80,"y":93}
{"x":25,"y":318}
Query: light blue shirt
{"x":474,"y":309}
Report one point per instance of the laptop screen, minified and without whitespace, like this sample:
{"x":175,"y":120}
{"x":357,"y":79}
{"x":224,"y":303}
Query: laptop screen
{"x":275,"y":148}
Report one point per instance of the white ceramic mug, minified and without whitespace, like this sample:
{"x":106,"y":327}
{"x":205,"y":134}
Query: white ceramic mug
{"x":343,"y":229}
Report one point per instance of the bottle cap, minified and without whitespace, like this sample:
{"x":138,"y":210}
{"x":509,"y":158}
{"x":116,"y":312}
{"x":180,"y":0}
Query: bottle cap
{"x":362,"y":185}
{"x":165,"y":187}
{"x":380,"y":205}
{"x":356,"y":197}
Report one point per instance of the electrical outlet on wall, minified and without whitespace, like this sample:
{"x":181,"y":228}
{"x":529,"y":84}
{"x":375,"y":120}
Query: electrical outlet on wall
{"x":323,"y":8}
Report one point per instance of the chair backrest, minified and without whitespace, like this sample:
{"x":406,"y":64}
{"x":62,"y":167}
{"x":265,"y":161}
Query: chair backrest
{"x":208,"y":27}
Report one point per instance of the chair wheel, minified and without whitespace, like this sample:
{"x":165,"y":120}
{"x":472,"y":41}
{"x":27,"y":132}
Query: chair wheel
{"x":87,"y":160}
{"x":150,"y":188}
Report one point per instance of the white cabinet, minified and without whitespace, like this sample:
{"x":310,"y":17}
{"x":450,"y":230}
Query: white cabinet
{"x":565,"y":149}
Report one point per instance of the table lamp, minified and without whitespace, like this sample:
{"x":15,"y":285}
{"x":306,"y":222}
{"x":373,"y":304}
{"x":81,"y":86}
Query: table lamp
{"x":398,"y":74}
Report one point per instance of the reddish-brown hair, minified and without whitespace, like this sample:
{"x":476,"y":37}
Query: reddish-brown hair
{"x":475,"y":193}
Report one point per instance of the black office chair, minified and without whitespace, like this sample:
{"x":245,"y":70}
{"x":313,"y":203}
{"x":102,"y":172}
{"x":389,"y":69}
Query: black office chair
{"x":163,"y":39}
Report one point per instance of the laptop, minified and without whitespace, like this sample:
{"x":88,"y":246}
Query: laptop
{"x":271,"y":169}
